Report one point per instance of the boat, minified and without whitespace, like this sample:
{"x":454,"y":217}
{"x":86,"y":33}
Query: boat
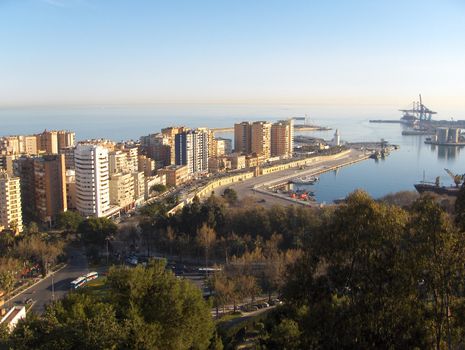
{"x":442,"y":190}
{"x":376,"y":155}
{"x":305,"y":180}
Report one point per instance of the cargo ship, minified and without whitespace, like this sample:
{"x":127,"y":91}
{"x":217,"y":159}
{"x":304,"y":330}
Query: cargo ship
{"x":442,"y":190}
{"x":435,"y":187}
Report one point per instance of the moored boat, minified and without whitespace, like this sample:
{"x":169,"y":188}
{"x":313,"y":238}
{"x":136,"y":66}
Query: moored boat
{"x":305,"y":180}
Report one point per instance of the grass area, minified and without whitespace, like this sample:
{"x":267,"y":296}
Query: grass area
{"x":229,"y":316}
{"x":97,"y":287}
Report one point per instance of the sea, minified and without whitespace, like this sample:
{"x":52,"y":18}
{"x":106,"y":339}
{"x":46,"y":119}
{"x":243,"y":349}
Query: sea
{"x":412,"y":162}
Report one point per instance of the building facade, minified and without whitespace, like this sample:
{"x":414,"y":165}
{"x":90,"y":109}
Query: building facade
{"x":243,"y":138}
{"x":261,"y":139}
{"x":10,"y":203}
{"x":192,"y":149}
{"x":175,"y":174}
{"x":282,"y":138}
{"x":50,"y":187}
{"x":92,"y":180}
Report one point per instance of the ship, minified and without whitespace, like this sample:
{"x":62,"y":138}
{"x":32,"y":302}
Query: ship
{"x":435,"y":187}
{"x":442,"y":190}
{"x":305,"y":180}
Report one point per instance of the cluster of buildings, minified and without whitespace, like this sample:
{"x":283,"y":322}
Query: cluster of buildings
{"x":45,"y":174}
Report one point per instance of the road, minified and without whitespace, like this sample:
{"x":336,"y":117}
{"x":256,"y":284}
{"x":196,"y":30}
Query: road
{"x":42,"y":293}
{"x":246,"y":188}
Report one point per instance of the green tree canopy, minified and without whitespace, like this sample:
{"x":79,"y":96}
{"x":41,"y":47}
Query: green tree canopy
{"x":141,"y":308}
{"x":69,"y":220}
{"x":97,"y":230}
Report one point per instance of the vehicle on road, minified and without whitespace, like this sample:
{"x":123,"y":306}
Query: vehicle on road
{"x":78,"y":282}
{"x":28,"y":301}
{"x":82,"y":280}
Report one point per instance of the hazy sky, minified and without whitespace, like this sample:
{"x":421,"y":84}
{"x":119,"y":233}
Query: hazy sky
{"x":303,"y":51}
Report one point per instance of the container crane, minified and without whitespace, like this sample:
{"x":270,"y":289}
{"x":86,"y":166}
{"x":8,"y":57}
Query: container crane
{"x":419,"y":112}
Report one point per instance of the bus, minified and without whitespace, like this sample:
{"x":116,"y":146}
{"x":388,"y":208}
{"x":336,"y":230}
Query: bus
{"x":78,"y":282}
{"x":91,"y":276}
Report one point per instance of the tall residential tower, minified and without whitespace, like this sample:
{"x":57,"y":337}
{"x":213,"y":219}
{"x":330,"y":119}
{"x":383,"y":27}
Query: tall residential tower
{"x":92,"y":180}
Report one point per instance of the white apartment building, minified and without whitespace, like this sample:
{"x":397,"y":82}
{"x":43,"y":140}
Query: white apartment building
{"x":92,"y":180}
{"x":10,"y":203}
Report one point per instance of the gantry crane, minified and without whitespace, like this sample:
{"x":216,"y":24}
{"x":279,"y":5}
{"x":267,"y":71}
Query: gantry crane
{"x":419,"y":111}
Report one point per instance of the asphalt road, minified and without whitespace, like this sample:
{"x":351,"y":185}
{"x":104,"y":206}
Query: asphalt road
{"x":42,"y":293}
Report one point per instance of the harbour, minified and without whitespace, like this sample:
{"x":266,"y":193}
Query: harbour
{"x":397,"y":172}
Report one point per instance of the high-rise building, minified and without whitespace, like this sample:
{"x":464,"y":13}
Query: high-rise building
{"x":261,"y":139}
{"x":10,"y":203}
{"x":146,"y":165}
{"x":28,"y":144}
{"x":92,"y":180}
{"x":192,"y":149}
{"x":50,"y":187}
{"x":24,"y":169}
{"x":124,"y":160}
{"x":282,"y":138}
{"x":65,"y":139}
{"x":71,"y":189}
{"x":122,"y":190}
{"x":7,"y":161}
{"x":220,"y":147}
{"x":48,"y":141}
{"x":243,"y":138}
{"x":170,"y":134}
{"x":68,"y":152}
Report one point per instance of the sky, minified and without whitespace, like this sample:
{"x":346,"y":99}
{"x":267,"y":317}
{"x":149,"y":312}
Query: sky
{"x":60,"y":52}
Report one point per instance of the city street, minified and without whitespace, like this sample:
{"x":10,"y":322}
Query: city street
{"x":43,"y":292}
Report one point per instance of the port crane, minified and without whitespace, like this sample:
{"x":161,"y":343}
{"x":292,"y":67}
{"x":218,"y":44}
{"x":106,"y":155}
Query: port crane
{"x":457,"y":178}
{"x":419,"y":111}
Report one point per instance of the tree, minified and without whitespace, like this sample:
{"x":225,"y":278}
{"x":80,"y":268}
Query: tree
{"x":69,"y":221}
{"x":224,"y":289}
{"x":353,"y":288}
{"x":438,"y":256}
{"x":38,"y":249}
{"x":97,"y":230}
{"x":140,"y":308}
{"x":206,"y":238}
{"x":285,"y":335}
{"x":77,"y":322}
{"x":160,"y":188}
{"x":230,"y":196}
{"x":246,"y":286}
{"x":175,"y":307}
{"x":460,"y":209}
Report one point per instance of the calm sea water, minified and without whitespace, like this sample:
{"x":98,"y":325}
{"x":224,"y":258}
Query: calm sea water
{"x":397,"y":172}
